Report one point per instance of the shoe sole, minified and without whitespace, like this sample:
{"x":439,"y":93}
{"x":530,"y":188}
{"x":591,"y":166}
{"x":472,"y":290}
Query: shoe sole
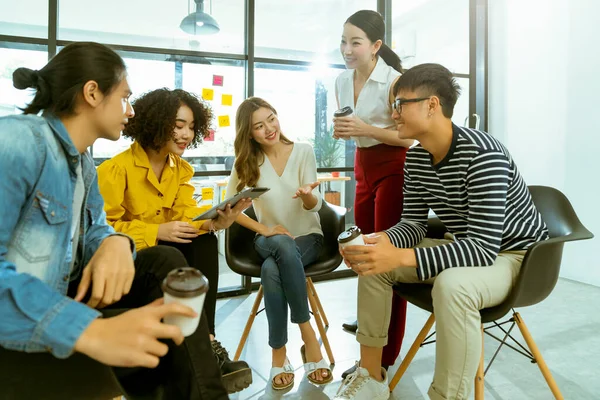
{"x":237,"y":381}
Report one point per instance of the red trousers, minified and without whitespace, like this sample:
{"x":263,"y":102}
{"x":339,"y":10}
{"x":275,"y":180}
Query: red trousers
{"x":379,"y":172}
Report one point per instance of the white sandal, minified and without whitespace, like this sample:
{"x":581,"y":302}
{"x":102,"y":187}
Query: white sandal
{"x":286,"y":369}
{"x":310,"y":367}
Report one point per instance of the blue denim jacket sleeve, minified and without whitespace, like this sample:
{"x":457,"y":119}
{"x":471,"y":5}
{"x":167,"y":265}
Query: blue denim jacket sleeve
{"x":32,"y":314}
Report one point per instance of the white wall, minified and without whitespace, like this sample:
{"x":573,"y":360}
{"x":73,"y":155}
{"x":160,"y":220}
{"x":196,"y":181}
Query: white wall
{"x":543,"y":91}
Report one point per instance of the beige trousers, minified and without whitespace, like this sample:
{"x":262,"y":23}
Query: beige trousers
{"x":458,"y":295}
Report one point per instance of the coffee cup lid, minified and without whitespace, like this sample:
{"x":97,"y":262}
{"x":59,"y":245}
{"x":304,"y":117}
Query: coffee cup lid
{"x":185,"y":282}
{"x":342,"y":112}
{"x":349,"y":234}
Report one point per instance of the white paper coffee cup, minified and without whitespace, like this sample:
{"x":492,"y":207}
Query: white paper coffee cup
{"x":351,"y":237}
{"x":185,"y":286}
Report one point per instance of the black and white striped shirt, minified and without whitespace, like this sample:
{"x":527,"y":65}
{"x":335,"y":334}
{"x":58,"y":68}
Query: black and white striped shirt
{"x":478,"y":193}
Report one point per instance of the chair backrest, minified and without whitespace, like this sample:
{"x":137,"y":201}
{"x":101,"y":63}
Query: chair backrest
{"x":243,"y":259}
{"x":541,"y":265}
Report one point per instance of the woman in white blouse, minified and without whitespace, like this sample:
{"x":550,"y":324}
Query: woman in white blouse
{"x":366,"y":86}
{"x":289,"y":234}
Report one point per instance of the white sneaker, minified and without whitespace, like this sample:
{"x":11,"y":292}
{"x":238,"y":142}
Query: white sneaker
{"x":359,"y":385}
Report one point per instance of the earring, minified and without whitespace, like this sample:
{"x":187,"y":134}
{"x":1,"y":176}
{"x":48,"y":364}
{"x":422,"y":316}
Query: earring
{"x":373,"y":57}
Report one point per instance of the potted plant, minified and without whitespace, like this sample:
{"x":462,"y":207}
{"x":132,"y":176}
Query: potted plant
{"x":329,"y":154}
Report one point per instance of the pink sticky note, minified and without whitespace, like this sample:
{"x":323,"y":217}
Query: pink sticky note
{"x":217,"y":80}
{"x":211,"y":136}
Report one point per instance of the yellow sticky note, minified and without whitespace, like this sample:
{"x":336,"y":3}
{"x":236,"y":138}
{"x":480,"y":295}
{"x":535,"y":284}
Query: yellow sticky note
{"x":207,"y":193}
{"x":223,"y":121}
{"x":226,"y":99}
{"x":208,"y":94}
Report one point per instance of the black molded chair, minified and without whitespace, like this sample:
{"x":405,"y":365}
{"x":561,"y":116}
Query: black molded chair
{"x":42,"y":376}
{"x":243,"y":259}
{"x":537,"y":277}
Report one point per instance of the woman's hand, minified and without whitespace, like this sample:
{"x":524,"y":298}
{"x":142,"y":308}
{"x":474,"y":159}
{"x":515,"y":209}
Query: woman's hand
{"x":275,"y":230}
{"x":229,"y":215}
{"x":346,"y":127}
{"x":177,"y":232}
{"x":304,"y":192}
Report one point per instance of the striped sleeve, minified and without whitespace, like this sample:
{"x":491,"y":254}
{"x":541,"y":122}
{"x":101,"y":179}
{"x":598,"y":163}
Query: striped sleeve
{"x":413,"y":225}
{"x":487,"y":183}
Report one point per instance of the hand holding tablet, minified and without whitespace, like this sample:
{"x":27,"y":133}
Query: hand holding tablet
{"x":250,"y":193}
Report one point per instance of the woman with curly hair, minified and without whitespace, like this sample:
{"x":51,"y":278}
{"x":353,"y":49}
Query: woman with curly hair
{"x":148,"y":196}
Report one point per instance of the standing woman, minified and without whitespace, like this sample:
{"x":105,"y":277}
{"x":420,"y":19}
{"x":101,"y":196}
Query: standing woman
{"x":366,"y":87}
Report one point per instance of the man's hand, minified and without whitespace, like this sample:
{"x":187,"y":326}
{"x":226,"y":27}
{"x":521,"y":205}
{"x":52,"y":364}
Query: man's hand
{"x":229,"y":215}
{"x":177,"y":232}
{"x":110,"y":272}
{"x":131,"y":339}
{"x":378,"y":255}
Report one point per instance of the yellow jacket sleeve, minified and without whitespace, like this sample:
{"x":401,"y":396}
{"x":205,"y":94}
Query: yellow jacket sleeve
{"x":112,"y":180}
{"x":185,"y":207}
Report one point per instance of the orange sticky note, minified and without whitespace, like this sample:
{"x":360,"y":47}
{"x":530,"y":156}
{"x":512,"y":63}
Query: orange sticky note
{"x":223,"y":121}
{"x":208,"y":94}
{"x":227,"y":99}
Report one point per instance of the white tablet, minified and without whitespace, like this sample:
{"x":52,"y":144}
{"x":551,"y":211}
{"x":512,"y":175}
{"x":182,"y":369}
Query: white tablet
{"x":251,"y":193}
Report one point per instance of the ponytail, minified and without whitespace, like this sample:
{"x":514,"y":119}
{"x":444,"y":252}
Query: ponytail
{"x":390,"y":57}
{"x":25,"y":78}
{"x":59,"y":84}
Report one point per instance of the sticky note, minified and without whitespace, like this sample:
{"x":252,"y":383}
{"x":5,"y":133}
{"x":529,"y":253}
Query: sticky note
{"x":207,"y":193}
{"x":226,"y":99}
{"x":208,"y":94}
{"x":211,"y":136}
{"x":217,"y":80}
{"x":223,"y":121}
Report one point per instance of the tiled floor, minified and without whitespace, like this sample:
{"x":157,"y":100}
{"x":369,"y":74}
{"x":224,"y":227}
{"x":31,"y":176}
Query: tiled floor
{"x":566,"y":327}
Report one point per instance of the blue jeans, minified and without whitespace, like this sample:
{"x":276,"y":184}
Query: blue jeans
{"x":283,"y":280}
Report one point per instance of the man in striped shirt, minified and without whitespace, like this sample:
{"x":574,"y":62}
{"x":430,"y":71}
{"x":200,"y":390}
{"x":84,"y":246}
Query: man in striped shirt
{"x":471,"y":182}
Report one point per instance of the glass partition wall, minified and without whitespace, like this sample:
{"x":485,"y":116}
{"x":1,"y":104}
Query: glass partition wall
{"x":283,"y":50}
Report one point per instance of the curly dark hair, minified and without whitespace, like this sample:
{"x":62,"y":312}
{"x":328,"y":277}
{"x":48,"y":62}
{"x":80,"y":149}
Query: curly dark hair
{"x":155,"y":113}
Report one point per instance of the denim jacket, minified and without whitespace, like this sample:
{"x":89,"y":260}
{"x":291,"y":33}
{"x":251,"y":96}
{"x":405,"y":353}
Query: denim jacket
{"x":38,"y":163}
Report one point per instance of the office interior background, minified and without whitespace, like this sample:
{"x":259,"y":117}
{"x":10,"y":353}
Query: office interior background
{"x":527,"y":69}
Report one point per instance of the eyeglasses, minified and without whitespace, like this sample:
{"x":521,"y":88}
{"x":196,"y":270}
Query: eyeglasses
{"x":398,"y":103}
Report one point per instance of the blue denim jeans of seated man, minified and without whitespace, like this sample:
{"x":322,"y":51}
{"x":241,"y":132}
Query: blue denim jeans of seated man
{"x":284,"y":281}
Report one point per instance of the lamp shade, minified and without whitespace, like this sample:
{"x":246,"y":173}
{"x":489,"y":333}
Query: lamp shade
{"x":199,"y":23}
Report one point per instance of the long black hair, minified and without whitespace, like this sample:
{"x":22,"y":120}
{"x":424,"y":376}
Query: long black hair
{"x":371,"y":23}
{"x":60,"y":82}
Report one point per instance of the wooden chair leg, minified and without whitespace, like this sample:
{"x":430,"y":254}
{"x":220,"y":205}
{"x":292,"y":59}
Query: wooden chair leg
{"x":412,"y":352}
{"x":319,"y":322}
{"x":314,"y":292}
{"x":538,"y":357}
{"x":479,"y":378}
{"x":249,"y":323}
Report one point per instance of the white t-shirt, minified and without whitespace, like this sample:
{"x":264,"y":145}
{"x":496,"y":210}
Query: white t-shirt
{"x":277,"y":207}
{"x":373,"y":103}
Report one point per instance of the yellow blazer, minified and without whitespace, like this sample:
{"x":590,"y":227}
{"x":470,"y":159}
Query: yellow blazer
{"x":136,"y":203}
